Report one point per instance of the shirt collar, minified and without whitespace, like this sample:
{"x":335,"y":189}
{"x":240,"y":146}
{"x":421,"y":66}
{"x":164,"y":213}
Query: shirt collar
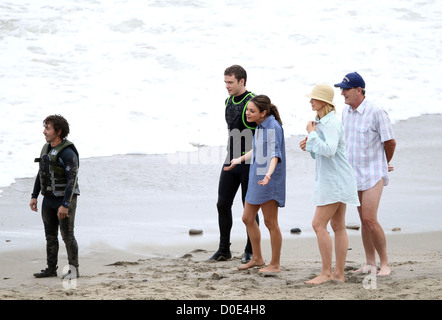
{"x":266,"y":121}
{"x":325,"y":118}
{"x":361,"y":107}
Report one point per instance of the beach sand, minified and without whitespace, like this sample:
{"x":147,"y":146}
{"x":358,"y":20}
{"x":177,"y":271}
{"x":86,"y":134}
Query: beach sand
{"x":182,"y":274}
{"x":157,"y":269}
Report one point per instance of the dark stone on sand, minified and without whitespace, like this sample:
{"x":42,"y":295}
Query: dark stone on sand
{"x":353,"y":226}
{"x":295,"y":230}
{"x":194,"y":232}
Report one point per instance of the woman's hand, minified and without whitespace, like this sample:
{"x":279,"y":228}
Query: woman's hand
{"x":233,"y":163}
{"x":264,"y":181}
{"x":303,"y":143}
{"x":311,"y":126}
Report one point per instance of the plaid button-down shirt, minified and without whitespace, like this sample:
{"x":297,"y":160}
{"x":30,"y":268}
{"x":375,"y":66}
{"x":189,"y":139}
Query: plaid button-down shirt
{"x":366,"y":129}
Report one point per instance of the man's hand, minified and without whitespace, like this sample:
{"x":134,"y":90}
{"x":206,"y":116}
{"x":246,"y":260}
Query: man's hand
{"x":33,"y":204}
{"x":63,"y":213}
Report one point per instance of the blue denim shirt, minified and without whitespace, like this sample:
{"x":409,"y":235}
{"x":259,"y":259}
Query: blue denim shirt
{"x":268,"y":143}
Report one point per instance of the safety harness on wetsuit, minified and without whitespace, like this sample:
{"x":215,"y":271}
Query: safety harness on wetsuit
{"x":236,"y":112}
{"x":236,"y":119}
{"x":52,"y":173}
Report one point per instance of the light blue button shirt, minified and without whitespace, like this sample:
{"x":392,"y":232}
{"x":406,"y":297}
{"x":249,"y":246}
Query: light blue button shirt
{"x":334,"y":181}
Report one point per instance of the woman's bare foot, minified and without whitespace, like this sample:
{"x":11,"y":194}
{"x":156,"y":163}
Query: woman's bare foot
{"x":270,"y":269}
{"x":338,"y":277}
{"x":322,"y":278}
{"x":252,"y":263}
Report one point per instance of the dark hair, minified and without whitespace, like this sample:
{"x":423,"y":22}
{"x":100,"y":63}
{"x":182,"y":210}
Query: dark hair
{"x":58,"y":123}
{"x":238,"y":71}
{"x":263,"y":103}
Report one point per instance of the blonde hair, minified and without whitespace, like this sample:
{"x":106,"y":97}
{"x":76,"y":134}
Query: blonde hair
{"x":327,"y":109}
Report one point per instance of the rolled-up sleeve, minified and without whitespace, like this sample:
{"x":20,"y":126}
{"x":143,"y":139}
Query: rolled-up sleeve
{"x":275,"y":139}
{"x":325,"y":148}
{"x":383,"y":125}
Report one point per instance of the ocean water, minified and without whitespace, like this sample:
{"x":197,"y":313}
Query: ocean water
{"x":140,"y":76}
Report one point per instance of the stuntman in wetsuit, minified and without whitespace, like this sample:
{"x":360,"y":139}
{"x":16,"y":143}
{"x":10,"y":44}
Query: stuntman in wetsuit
{"x":57,"y":182}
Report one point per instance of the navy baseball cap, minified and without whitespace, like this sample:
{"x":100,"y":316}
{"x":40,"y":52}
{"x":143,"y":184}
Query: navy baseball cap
{"x":351,"y":80}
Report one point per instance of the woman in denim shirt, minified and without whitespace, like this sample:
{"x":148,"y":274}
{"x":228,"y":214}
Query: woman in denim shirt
{"x":267,"y":175}
{"x":335,"y":185}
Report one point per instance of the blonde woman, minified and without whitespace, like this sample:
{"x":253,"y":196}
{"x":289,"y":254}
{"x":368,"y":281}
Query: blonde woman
{"x":335,"y":186}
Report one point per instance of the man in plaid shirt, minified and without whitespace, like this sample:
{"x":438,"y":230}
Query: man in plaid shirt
{"x":370,"y":146}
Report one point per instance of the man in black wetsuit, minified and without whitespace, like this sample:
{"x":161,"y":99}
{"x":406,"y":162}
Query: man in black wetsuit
{"x":240,"y":141}
{"x":57,"y":182}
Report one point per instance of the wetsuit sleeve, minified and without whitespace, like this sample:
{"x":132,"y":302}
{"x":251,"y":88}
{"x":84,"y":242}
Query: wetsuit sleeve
{"x":68,"y":158}
{"x":37,"y":187}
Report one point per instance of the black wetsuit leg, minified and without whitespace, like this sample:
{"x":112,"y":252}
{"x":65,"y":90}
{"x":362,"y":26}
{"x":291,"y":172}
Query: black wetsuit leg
{"x":51,"y":224}
{"x":50,"y":221}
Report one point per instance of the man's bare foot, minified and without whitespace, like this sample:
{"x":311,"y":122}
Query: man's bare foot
{"x":384,"y":271}
{"x":365,"y":269}
{"x":252,"y":263}
{"x":319,"y":279}
{"x":270,"y":269}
